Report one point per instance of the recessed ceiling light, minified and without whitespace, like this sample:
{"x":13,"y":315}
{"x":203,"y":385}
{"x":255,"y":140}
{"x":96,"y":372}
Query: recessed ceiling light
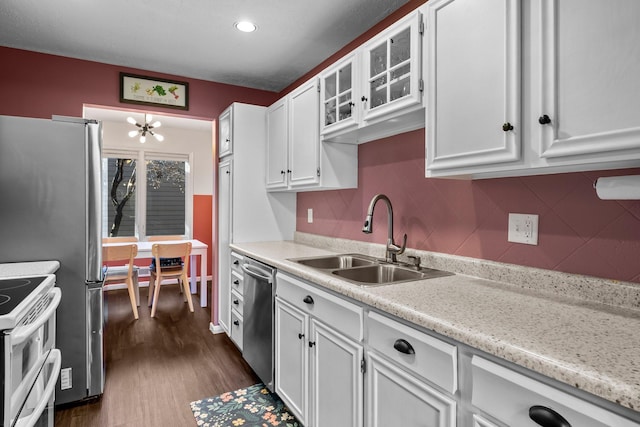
{"x":245,"y":26}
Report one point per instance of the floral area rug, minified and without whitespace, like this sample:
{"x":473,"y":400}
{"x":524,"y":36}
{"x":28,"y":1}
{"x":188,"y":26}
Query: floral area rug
{"x":254,"y":406}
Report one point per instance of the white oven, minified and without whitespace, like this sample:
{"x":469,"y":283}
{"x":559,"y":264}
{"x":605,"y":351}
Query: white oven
{"x":29,"y":359}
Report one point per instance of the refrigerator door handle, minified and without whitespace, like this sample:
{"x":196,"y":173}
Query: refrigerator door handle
{"x":93,"y":173}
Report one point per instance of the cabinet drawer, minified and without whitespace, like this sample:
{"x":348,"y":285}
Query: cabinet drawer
{"x":507,"y":396}
{"x":236,"y":329}
{"x":236,"y":262}
{"x":237,"y":302}
{"x":237,"y":282}
{"x":345,"y":316}
{"x":429,"y":357}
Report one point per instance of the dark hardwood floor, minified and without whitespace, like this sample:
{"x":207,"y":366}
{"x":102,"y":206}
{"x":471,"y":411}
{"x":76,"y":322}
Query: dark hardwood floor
{"x":156,"y":367}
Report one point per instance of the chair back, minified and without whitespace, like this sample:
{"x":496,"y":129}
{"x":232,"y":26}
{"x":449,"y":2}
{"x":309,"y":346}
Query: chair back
{"x":172,"y":250}
{"x":120,"y":253}
{"x":123,"y":239}
{"x":160,"y":238}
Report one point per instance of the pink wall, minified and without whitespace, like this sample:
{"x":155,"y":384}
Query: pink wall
{"x":39,"y":85}
{"x":578,"y":233}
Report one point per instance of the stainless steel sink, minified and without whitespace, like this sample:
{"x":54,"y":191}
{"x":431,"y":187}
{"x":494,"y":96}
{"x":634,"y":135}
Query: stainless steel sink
{"x":387,"y":273}
{"x":368,"y":271}
{"x":336,"y":261}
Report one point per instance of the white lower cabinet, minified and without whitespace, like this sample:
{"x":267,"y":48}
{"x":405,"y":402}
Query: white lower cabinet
{"x":317,"y":367}
{"x":398,"y":398}
{"x":336,"y":378}
{"x":292,"y":361}
{"x":339,"y":363}
{"x":516,"y":400}
{"x":478,"y":421}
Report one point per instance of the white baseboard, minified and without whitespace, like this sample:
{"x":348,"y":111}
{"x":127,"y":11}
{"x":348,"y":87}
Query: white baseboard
{"x":215,"y":329}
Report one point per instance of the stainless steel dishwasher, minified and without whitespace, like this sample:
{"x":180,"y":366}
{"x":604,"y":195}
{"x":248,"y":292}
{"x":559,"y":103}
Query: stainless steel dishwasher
{"x":257,"y":315}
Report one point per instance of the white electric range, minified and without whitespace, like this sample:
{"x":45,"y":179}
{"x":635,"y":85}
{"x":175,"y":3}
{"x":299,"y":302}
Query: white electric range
{"x":29,"y":361}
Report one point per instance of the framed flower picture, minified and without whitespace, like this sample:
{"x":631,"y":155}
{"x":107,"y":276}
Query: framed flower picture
{"x":136,"y":89}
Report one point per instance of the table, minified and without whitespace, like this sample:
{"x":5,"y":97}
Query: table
{"x":197,"y":249}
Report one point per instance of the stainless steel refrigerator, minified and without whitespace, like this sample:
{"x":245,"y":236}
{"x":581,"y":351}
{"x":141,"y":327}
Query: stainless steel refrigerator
{"x":51,"y":209}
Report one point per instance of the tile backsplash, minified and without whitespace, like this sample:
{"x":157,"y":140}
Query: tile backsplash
{"x":578,"y":233}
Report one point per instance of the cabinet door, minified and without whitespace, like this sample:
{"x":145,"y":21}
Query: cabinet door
{"x":590,"y":63}
{"x":396,"y":398}
{"x":391,"y":67}
{"x":277,"y":140}
{"x":473,"y":89}
{"x":338,"y":96}
{"x":336,"y":380}
{"x":304,"y":135}
{"x":224,"y":238}
{"x":225,"y":134}
{"x":291,"y":358}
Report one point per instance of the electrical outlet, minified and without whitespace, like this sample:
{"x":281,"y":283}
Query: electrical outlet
{"x":65,"y":378}
{"x":310,"y":215}
{"x":523,"y":228}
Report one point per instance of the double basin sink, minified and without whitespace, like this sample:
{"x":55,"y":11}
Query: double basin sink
{"x":368,"y":271}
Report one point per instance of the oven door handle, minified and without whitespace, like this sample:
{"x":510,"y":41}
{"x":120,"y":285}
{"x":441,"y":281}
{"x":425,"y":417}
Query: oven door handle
{"x":55,"y":358}
{"x":22,"y":333}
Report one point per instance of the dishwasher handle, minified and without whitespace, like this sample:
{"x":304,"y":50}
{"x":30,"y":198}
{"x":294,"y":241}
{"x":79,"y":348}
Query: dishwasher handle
{"x":257,"y":272}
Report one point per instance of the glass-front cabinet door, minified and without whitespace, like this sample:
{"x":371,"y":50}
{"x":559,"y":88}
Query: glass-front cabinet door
{"x":338,"y":97}
{"x":392,"y":68}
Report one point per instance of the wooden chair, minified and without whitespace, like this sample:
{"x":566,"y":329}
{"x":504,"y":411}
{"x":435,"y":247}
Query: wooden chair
{"x":128,"y":273}
{"x":159,"y":273}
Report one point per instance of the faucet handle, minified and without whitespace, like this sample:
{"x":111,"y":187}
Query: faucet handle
{"x":395,"y":249}
{"x":404,"y":244}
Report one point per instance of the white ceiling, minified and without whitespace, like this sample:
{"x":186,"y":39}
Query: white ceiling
{"x":194,"y":38}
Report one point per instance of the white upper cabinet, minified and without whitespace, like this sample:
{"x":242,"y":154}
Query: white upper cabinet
{"x":376,"y":90}
{"x":225,"y":133}
{"x":304,"y":135}
{"x":391,"y":69}
{"x":589,"y":84}
{"x":277,"y":140}
{"x":473,"y":83}
{"x":573,"y":105}
{"x":296,"y":158}
{"x":338,"y":93}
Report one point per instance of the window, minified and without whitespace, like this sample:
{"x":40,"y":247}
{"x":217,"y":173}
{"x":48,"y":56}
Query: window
{"x":146,"y":194}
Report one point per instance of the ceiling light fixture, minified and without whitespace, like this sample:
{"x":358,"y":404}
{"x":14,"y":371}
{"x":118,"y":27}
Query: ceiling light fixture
{"x":245,"y":26}
{"x":145,"y":128}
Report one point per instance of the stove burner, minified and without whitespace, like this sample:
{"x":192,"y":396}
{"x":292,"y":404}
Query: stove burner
{"x":15,"y":290}
{"x":17,"y":283}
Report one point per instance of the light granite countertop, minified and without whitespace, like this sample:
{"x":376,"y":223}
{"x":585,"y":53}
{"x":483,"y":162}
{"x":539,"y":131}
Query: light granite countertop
{"x":592,"y":346}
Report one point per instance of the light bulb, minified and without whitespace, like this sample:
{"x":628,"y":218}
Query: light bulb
{"x":131,"y":120}
{"x":143,"y":139}
{"x":159,"y":137}
{"x":156,"y":124}
{"x":133,"y":133}
{"x":245,"y":26}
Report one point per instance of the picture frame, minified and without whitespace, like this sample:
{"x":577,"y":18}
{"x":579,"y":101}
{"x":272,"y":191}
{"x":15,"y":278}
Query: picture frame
{"x":144,"y":90}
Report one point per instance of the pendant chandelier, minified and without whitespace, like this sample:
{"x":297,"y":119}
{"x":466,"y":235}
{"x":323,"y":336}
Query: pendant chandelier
{"x":146,"y":128}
